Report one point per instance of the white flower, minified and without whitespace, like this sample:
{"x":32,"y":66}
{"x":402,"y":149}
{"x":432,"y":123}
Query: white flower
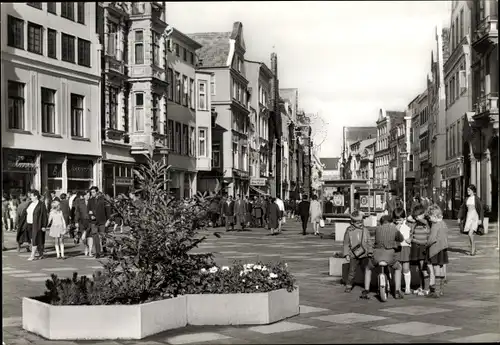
{"x":225,"y":268}
{"x":242,"y":273}
{"x":203,"y":270}
{"x":264,"y":268}
{"x":213,"y":269}
{"x":273,"y":275}
{"x":248,"y":266}
{"x":257,"y":287}
{"x":286,"y":265}
{"x":257,"y":267}
{"x":243,"y":280}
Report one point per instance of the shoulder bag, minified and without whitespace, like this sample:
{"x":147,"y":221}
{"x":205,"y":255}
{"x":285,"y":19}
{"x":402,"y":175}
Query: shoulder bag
{"x":358,"y":250}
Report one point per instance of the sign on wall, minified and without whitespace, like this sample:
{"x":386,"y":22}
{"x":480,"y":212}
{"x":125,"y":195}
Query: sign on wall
{"x":256,"y":181}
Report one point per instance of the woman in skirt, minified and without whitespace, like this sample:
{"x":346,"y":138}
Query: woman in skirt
{"x":418,"y":252}
{"x":471,"y":215}
{"x":57,"y":226}
{"x":399,"y":216}
{"x":437,"y":252}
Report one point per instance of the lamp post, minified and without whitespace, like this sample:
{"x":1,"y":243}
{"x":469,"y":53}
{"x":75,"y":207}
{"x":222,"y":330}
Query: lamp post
{"x":405,"y":155}
{"x":166,"y":34}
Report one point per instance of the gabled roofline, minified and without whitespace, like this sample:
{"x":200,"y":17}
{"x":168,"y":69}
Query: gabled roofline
{"x":186,"y":39}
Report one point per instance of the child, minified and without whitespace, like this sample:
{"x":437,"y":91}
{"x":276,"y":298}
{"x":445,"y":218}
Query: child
{"x":387,"y":239}
{"x":420,"y":235}
{"x":57,"y":226}
{"x":399,"y":216}
{"x":437,"y":245}
{"x":357,"y":248}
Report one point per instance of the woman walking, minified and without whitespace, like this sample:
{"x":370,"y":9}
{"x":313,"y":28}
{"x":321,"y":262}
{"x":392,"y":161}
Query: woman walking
{"x":472,"y":211}
{"x":33,"y":221}
{"x":315,"y":213}
{"x":273,"y":216}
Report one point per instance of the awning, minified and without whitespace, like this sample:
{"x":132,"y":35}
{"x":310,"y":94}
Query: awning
{"x":261,"y":192}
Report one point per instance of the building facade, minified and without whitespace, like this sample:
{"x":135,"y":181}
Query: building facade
{"x":223,"y":54}
{"x":457,"y":80}
{"x":481,"y":141}
{"x":331,"y":168}
{"x":259,"y":76}
{"x":50,"y":77}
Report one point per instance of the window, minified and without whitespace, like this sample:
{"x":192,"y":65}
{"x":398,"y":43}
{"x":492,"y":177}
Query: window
{"x":139,"y":112}
{"x":191,"y":93}
{"x":68,"y":10}
{"x":170,"y":81}
{"x":16,"y":105}
{"x":83,"y":52}
{"x":177,"y":87}
{"x":191,"y":58}
{"x":457,"y":28}
{"x":156,"y":48}
{"x":77,"y":115}
{"x":448,"y":143}
{"x":15,"y":32}
{"x":139,"y":47}
{"x":192,"y":142}
{"x":202,"y":95}
{"x":48,"y":111}
{"x":185,"y":91}
{"x":177,"y":49}
{"x":35,"y":4}
{"x":35,"y":39}
{"x":177,"y":148}
{"x":51,"y":7}
{"x":202,"y":142}
{"x":156,"y":113}
{"x":457,"y":86}
{"x":235,"y":156}
{"x":67,"y":48}
{"x":216,"y":156}
{"x":462,"y":33}
{"x":185,"y":139}
{"x":212,"y":86}
{"x":112,"y":43}
{"x":184,"y":54}
{"x":170,"y":134}
{"x":80,"y":12}
{"x":52,"y":43}
{"x":452,"y":90}
{"x":113,"y":107}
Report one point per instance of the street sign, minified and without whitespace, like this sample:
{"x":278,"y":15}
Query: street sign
{"x":256,"y":181}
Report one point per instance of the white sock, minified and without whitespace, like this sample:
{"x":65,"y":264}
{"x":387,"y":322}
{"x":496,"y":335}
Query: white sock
{"x":57,"y":249}
{"x":62,"y":249}
{"x":90,"y":242}
{"x":407,"y":277}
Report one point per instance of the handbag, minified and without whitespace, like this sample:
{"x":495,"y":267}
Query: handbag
{"x":462,"y":227}
{"x":359,"y":250}
{"x":321,"y":223}
{"x":480,"y":230}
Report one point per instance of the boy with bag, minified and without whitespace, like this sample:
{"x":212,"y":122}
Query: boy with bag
{"x":357,"y":249}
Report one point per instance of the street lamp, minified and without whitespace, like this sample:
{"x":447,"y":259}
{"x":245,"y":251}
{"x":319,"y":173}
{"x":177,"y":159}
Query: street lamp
{"x":405,"y":155}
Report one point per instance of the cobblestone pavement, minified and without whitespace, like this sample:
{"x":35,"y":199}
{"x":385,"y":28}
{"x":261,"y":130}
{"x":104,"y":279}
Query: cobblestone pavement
{"x":469,"y":312}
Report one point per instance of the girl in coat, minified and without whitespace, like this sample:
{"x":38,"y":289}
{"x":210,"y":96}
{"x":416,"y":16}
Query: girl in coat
{"x":472,"y":211}
{"x":57,"y":226}
{"x":437,"y":254}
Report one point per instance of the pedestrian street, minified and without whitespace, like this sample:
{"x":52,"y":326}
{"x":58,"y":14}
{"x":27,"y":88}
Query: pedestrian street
{"x":327,"y":314}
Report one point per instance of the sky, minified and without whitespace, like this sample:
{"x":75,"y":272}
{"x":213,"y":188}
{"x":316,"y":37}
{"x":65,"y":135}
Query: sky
{"x":347,"y":59}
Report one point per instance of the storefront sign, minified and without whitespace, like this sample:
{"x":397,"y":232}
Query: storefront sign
{"x":23,"y":163}
{"x":124,"y":181}
{"x":80,"y":169}
{"x":452,"y":171}
{"x":255,"y":181}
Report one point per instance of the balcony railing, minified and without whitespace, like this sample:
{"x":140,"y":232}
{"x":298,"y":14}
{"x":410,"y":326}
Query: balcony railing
{"x":487,"y":27}
{"x":487,"y":103}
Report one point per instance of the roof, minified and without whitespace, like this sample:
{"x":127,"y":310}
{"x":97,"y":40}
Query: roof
{"x":185,"y":38}
{"x":365,"y":143}
{"x":330,"y":163}
{"x":215,"y":48}
{"x":353,"y":134}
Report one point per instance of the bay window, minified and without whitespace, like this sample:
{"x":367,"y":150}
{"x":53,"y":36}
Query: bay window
{"x":139,"y":112}
{"x":202,"y":142}
{"x":202,"y":95}
{"x":156,"y":48}
{"x":139,"y":47}
{"x":113,"y":107}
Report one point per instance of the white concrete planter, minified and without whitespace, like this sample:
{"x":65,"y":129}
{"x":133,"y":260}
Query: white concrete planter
{"x":336,"y":266}
{"x":486,"y":223}
{"x":340,"y":229}
{"x":103,"y":322}
{"x":242,"y":308}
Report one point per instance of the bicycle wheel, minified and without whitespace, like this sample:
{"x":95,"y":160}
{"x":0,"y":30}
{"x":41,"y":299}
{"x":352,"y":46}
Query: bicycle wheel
{"x":382,"y":287}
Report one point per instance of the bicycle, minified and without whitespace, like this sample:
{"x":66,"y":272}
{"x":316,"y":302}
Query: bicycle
{"x":384,"y":288}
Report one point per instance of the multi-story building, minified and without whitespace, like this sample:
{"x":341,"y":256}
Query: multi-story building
{"x":50,"y":78}
{"x":382,"y":157}
{"x":287,"y":143}
{"x":208,"y":155}
{"x":397,"y":142}
{"x":331,"y":168}
{"x":134,"y":90}
{"x":306,"y":144}
{"x":259,"y":77}
{"x":316,"y":174}
{"x":457,"y":80}
{"x":223,"y":54}
{"x":437,"y":121}
{"x":291,"y":96}
{"x":417,"y":108}
{"x":359,"y":165}
{"x":482,"y":165}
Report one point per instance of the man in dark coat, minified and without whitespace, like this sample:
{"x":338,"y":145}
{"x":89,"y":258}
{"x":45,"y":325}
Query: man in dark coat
{"x":391,"y":203}
{"x":303,"y":210}
{"x":82,"y":220}
{"x":274,"y":215}
{"x":227,"y":210}
{"x":240,"y":211}
{"x":100,"y":214}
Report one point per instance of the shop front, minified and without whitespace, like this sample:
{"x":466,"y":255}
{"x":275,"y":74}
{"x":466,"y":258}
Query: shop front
{"x":62,"y":173}
{"x":452,"y":176}
{"x":259,"y":186}
{"x":182,"y":183}
{"x":118,"y":178}
{"x":21,"y":171}
{"x":241,"y":182}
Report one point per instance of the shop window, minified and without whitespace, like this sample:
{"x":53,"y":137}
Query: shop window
{"x":54,"y":176}
{"x":80,"y":174}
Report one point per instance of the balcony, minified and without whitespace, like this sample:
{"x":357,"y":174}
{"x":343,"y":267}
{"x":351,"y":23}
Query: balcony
{"x":115,"y":136}
{"x":141,"y":143}
{"x":423,"y":155}
{"x":112,"y":65}
{"x":486,"y":34}
{"x":486,"y":109}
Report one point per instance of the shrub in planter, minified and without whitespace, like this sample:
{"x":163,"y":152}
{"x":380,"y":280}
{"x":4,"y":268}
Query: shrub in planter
{"x":338,"y":255}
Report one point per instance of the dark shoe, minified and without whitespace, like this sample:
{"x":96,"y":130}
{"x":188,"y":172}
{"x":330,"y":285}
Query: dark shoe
{"x":365,"y":294}
{"x":398,"y":295}
{"x":348,"y":289}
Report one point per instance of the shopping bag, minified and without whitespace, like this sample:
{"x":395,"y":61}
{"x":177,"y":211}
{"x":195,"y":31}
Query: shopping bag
{"x":322,"y":223}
